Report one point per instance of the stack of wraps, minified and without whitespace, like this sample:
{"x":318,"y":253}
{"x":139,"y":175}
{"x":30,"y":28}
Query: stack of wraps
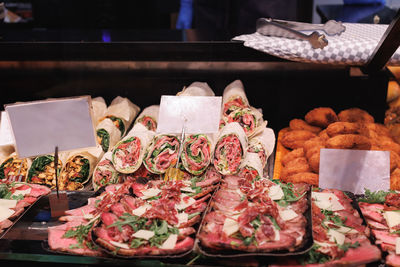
{"x":251,"y":167}
{"x":149,"y":117}
{"x":263,"y":144}
{"x":14,"y":166}
{"x":115,"y":122}
{"x":230,"y":149}
{"x":42,"y":170}
{"x":236,"y":108}
{"x":104,"y":173}
{"x":127,"y":155}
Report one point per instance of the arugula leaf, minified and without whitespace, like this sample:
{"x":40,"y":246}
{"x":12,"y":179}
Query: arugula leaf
{"x":374,"y":197}
{"x":2,"y":174}
{"x":345,"y":247}
{"x":135,"y":222}
{"x":274,"y":222}
{"x":3,"y":190}
{"x":137,"y":242}
{"x":84,"y":172}
{"x":313,"y":256}
{"x":289,"y":194}
{"x":80,"y":233}
{"x":192,"y":215}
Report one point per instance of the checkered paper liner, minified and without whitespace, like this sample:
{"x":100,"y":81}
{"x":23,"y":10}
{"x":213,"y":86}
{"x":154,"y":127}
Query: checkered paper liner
{"x":352,"y":47}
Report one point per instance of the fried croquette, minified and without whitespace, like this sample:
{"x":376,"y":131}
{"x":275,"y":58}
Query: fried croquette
{"x":394,"y":161}
{"x":302,"y":177}
{"x":312,"y":146}
{"x":313,"y":161}
{"x":296,"y":153}
{"x":390,"y":146}
{"x":296,"y":139}
{"x":395,"y":179}
{"x":341,"y":127}
{"x":295,"y":166}
{"x":355,"y":115}
{"x":321,"y":117}
{"x":324,"y":135}
{"x":298,"y":124}
{"x":349,"y":141}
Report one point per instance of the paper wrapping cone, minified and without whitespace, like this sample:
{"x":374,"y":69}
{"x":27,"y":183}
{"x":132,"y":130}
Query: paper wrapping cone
{"x":189,"y":161}
{"x":252,"y":161}
{"x":149,"y":117}
{"x":99,"y":108}
{"x":121,"y":158}
{"x":233,"y":90}
{"x":123,"y":108}
{"x":104,"y":173}
{"x":197,"y":89}
{"x":107,"y":134}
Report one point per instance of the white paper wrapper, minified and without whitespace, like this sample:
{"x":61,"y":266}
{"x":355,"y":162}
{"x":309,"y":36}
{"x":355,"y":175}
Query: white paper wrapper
{"x":233,"y":90}
{"x":252,"y":160}
{"x":123,"y":108}
{"x":99,"y":108}
{"x":152,"y":112}
{"x":266,"y":139}
{"x":114,"y":134}
{"x":190,"y":165}
{"x":145,"y":136}
{"x":104,"y":173}
{"x":235,"y":129}
{"x":197,"y":89}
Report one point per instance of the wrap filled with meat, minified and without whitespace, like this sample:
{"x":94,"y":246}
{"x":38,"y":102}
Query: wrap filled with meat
{"x":99,"y":108}
{"x":251,"y":167}
{"x":77,"y":170}
{"x":197,"y":152}
{"x":122,"y":112}
{"x":127,"y":155}
{"x":107,"y":134}
{"x":197,"y":89}
{"x":14,"y":166}
{"x":234,"y":97}
{"x":105,"y":173}
{"x":161,"y":153}
{"x":42,"y":170}
{"x":263,"y":144}
{"x":249,"y":118}
{"x":149,"y":117}
{"x":230,"y":149}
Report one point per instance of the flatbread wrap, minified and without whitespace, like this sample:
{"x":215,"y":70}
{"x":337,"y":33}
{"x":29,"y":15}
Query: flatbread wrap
{"x":99,"y":108}
{"x":105,"y":173}
{"x":107,"y":134}
{"x":42,"y":170}
{"x":197,"y":152}
{"x":234,"y":97}
{"x":251,"y":167}
{"x":149,"y":117}
{"x":14,"y":166}
{"x":263,"y":144}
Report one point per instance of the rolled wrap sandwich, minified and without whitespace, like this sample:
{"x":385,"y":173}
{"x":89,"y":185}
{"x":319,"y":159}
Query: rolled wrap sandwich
{"x":107,"y":134}
{"x":197,"y":89}
{"x":42,"y":170}
{"x":197,"y":152}
{"x":234,"y":97}
{"x":122,"y":112}
{"x":149,"y":117}
{"x":251,"y":167}
{"x":104,"y":173}
{"x":230,"y":149}
{"x":263,"y":144}
{"x":127,"y":155}
{"x":6,"y":151}
{"x":99,"y":108}
{"x":13,"y":166}
{"x":249,"y":118}
{"x":161,"y":153}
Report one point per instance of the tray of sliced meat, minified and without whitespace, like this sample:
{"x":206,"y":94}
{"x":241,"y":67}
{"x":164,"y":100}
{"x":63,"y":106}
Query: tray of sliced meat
{"x":15,"y":200}
{"x":256,"y":217}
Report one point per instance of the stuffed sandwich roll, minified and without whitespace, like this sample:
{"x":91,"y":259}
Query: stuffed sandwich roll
{"x":197,"y":153}
{"x":107,"y":134}
{"x":42,"y":170}
{"x":161,"y":153}
{"x":251,"y":168}
{"x":263,"y":144}
{"x":234,"y":97}
{"x":14,"y":166}
{"x":127,"y":155}
{"x":99,"y":108}
{"x":197,"y":89}
{"x":230,"y":149}
{"x":149,"y":117}
{"x":105,"y":173}
{"x":248,"y":118}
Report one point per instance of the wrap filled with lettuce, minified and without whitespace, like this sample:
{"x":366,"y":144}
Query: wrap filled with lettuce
{"x":197,"y":152}
{"x":234,"y":97}
{"x":105,"y":173}
{"x":161,"y":153}
{"x":107,"y":134}
{"x":251,"y":167}
{"x":42,"y":170}
{"x":127,"y":155}
{"x":249,"y":118}
{"x":149,"y":117}
{"x":197,"y":89}
{"x":99,"y":108}
{"x":13,"y":166}
{"x":263,"y":144}
{"x":230,"y":149}
{"x":77,"y":170}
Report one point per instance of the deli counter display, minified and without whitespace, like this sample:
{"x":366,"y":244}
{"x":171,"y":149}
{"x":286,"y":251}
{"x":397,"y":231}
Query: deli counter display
{"x":246,"y":195}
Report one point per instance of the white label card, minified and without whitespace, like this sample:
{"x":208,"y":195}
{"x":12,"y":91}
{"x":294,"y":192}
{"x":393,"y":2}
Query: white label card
{"x":199,"y":114}
{"x":39,"y":126}
{"x":354,"y":170}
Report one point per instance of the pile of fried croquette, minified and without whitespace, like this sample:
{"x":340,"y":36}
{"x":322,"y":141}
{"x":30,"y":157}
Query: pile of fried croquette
{"x":352,"y":128}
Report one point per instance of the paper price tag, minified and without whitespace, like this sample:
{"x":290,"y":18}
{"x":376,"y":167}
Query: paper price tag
{"x":354,"y":170}
{"x":39,"y":126}
{"x":199,"y":114}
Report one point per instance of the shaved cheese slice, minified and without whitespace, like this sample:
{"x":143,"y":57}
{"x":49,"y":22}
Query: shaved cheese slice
{"x":392,"y":218}
{"x":22,"y":192}
{"x":141,"y":210}
{"x":275,"y":192}
{"x":170,"y":242}
{"x":186,"y":201}
{"x":88,"y":216}
{"x":119,"y":244}
{"x":145,"y":234}
{"x":346,"y":230}
{"x":335,"y":236}
{"x":323,"y":244}
{"x":230,"y":226}
{"x":288,"y":214}
{"x":149,"y":193}
{"x":327,"y":201}
{"x":182,"y":218}
{"x":8,"y":203}
{"x":277,"y":235}
{"x":397,"y":245}
{"x":188,"y":189}
{"x":5,"y":213}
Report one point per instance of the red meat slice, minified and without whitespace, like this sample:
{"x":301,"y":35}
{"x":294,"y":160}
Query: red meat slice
{"x":118,"y":209}
{"x":226,"y":200}
{"x":81,"y":211}
{"x":385,"y":236}
{"x":5,"y":224}
{"x":371,"y":211}
{"x":376,"y":225}
{"x":393,"y":260}
{"x":108,"y":218}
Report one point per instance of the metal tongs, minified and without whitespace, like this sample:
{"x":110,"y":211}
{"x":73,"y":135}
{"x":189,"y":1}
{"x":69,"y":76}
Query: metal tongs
{"x":291,"y":30}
